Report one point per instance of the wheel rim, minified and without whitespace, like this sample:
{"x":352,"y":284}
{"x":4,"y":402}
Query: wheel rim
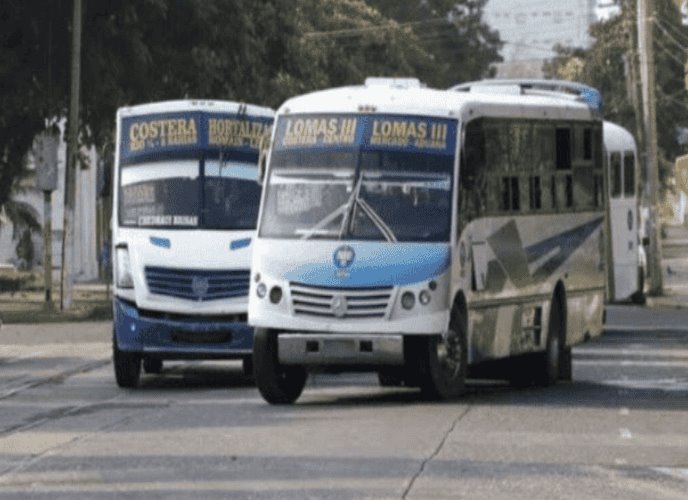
{"x":449,"y":354}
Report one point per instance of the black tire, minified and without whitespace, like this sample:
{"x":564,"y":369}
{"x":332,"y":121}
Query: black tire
{"x":444,"y":360}
{"x":278,"y":384}
{"x":247,"y":366}
{"x":127,"y":367}
{"x":152,"y":365}
{"x":549,"y":363}
{"x":639,"y":296}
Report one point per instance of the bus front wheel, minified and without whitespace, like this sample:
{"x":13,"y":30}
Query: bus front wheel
{"x":443,"y":375}
{"x":278,"y":384}
{"x":127,"y":367}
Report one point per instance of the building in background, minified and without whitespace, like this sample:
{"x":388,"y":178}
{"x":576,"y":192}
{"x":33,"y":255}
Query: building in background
{"x":531,"y":29}
{"x":85,"y":265}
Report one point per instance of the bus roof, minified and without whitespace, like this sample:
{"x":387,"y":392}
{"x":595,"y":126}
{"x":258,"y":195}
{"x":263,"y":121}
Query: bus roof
{"x":398,"y":99}
{"x":211,"y":106}
{"x":617,"y":138}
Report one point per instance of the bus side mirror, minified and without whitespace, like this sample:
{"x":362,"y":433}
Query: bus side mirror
{"x":263,"y":153}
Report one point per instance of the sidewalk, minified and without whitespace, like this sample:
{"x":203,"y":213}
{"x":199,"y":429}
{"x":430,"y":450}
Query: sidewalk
{"x":674,"y":269}
{"x":91,"y":301}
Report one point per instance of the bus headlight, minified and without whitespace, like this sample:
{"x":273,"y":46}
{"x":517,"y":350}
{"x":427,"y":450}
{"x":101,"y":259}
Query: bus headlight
{"x":424,"y":297}
{"x":123,"y":277}
{"x":408,"y":300}
{"x":261,"y":290}
{"x":275,"y":295}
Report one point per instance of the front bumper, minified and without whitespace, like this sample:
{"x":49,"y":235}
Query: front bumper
{"x":180,"y":336}
{"x":331,"y":349}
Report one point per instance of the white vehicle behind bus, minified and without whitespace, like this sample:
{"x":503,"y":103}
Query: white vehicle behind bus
{"x":415,"y":232}
{"x":627,"y":281}
{"x":185,"y":208}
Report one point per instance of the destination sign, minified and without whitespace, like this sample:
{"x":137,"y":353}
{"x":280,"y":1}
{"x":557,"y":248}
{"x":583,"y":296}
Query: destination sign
{"x":149,"y":136}
{"x":375,"y":132}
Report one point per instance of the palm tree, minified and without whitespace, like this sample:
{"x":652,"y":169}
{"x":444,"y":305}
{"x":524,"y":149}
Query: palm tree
{"x":22,"y":216}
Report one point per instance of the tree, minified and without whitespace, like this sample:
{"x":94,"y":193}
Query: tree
{"x":606,"y":66}
{"x":460,"y":45}
{"x":138,"y":51}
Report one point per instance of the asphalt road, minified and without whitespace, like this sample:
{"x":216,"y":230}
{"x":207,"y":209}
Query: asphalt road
{"x":620,"y":430}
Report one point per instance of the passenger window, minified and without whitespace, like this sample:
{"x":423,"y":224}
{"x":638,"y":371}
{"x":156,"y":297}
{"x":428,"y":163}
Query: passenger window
{"x":535,"y":192}
{"x":615,"y":174}
{"x":553,"y":191}
{"x":629,"y":175}
{"x":587,"y":144}
{"x":599,"y":191}
{"x":563,"y":141}
{"x":569,"y":191}
{"x":511,"y":195}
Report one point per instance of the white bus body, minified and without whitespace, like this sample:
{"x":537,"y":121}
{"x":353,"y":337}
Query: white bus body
{"x":185,"y":208}
{"x":377,"y":250}
{"x":627,"y":253}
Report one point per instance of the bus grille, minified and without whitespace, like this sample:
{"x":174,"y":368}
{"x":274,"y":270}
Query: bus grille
{"x":359,"y":303}
{"x":197,"y":284}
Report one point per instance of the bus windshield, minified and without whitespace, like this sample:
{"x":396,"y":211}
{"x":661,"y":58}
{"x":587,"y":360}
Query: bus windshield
{"x":178,"y":194}
{"x":359,"y":194}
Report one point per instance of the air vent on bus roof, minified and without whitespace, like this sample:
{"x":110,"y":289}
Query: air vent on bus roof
{"x":585,"y":93}
{"x":399,"y":83}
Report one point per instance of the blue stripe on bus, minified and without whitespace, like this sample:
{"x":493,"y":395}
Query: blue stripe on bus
{"x":566,"y":243}
{"x":377,"y":265}
{"x":160,"y":242}
{"x":237,"y":244}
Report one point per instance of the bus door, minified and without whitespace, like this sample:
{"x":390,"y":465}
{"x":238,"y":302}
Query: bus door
{"x":624,"y":223}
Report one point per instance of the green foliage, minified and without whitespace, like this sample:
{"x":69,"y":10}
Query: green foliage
{"x":136,"y":51}
{"x":606,"y":66}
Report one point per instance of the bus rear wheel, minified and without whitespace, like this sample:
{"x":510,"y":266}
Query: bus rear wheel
{"x":278,"y":384}
{"x":552,"y":362}
{"x":445,"y":359}
{"x":127,"y":367}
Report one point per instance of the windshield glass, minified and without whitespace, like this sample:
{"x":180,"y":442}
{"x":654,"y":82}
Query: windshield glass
{"x":367,"y":192}
{"x":174,"y":194}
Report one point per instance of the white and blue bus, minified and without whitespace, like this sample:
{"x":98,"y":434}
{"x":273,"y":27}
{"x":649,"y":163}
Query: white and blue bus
{"x":184,"y":217}
{"x":417,"y":232}
{"x":627,"y":252}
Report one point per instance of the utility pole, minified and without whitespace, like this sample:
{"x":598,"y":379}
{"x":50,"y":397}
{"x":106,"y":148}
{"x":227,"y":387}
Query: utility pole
{"x":70,"y":167}
{"x":646,"y":10}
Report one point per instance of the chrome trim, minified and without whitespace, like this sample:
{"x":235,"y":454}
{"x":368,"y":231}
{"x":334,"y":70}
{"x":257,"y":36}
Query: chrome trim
{"x":338,"y":349}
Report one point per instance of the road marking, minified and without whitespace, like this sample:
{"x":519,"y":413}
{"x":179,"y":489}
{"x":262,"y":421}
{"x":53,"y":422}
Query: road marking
{"x":624,"y":411}
{"x":673,"y":472}
{"x":658,"y":384}
{"x":620,"y":461}
{"x":627,"y":362}
{"x":625,"y":433}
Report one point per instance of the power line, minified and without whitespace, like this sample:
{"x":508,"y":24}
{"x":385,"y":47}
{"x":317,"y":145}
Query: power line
{"x":669,"y":36}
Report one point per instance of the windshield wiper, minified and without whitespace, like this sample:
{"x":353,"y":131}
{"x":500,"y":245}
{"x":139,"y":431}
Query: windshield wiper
{"x":350,"y":206}
{"x":377,"y":220}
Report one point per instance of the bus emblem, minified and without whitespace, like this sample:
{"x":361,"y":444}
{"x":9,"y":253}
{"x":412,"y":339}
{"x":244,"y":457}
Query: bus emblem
{"x":343,"y":257}
{"x":339,"y":306}
{"x":199,"y":286}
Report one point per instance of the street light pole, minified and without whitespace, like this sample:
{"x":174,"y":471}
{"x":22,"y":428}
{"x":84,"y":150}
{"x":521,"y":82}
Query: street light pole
{"x":70,"y":167}
{"x":646,"y":9}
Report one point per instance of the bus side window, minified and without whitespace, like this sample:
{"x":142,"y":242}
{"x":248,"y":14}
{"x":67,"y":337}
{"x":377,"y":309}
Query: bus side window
{"x":599,"y":191}
{"x":587,"y":144}
{"x":569,"y":190}
{"x":535,"y":193}
{"x":615,"y":174}
{"x":563,"y":143}
{"x":629,"y":175}
{"x":553,"y":191}
{"x":511,"y":194}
